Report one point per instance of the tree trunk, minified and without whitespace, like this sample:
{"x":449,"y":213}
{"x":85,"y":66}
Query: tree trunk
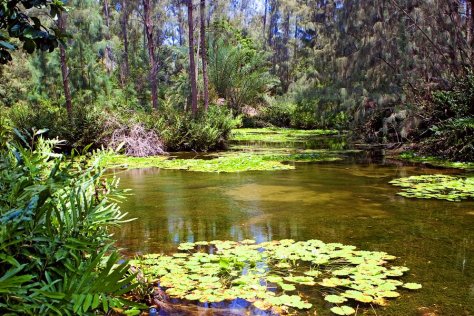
{"x":192,"y":64}
{"x":180,"y":26}
{"x":109,"y":63}
{"x":470,"y":28}
{"x":286,"y":53}
{"x":265,"y":21}
{"x":151,"y":53}
{"x":273,"y":27}
{"x":64,"y":68}
{"x":204,"y":54}
{"x":124,"y":24}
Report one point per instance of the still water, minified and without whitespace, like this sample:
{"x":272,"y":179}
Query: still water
{"x":348,"y":202}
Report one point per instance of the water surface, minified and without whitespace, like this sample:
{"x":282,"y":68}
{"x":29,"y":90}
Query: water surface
{"x":349,"y":201}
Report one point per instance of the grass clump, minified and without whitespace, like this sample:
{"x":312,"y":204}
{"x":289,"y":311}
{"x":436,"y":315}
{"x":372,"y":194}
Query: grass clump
{"x":441,"y":187}
{"x":271,"y":275}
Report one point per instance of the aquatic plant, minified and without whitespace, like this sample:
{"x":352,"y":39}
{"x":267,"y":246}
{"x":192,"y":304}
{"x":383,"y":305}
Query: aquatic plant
{"x":277,"y":134}
{"x":224,"y":162}
{"x":268,"y":274}
{"x":441,"y":187}
{"x":433,"y":161}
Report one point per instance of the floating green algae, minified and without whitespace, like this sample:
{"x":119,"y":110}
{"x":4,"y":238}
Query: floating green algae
{"x":277,"y":134}
{"x":433,"y":161}
{"x":224,"y":162}
{"x":441,"y":187}
{"x":271,"y":275}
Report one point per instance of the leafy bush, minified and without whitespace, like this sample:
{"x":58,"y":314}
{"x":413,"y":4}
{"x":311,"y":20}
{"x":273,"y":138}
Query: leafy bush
{"x":85,"y":127}
{"x":181,"y":131}
{"x":279,"y":113}
{"x":453,"y":114}
{"x":55,"y":248}
{"x":238,"y":71}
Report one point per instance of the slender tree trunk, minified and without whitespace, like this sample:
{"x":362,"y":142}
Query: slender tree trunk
{"x":151,"y":53}
{"x":295,"y":45}
{"x":109,"y":63}
{"x":124,"y":24}
{"x":286,"y":52}
{"x":180,"y":26}
{"x":273,"y":27}
{"x":64,"y":68}
{"x":265,"y":21}
{"x":204,"y":54}
{"x":192,"y":64}
{"x":470,"y":28}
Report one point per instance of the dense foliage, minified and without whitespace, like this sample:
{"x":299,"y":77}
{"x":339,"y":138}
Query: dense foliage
{"x":387,"y":70}
{"x":17,"y":21}
{"x":55,"y":247}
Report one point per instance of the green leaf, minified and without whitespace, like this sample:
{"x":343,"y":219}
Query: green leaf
{"x":87,"y":302}
{"x":412,"y":286}
{"x":343,"y":310}
{"x":7,"y":45}
{"x":336,"y":299}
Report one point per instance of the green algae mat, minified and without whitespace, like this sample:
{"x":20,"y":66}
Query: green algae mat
{"x":272,"y":275}
{"x":222,"y":162}
{"x":433,"y":161}
{"x":441,"y":187}
{"x":278,"y":135}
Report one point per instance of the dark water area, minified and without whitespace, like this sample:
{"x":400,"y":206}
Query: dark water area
{"x":348,"y":201}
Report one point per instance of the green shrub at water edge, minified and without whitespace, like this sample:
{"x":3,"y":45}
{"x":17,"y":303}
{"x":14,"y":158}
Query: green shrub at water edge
{"x":55,"y":248}
{"x":86,"y":126}
{"x":180,"y":131}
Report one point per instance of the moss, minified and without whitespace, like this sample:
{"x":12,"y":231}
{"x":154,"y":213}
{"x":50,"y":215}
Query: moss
{"x":434,"y":161}
{"x":225,"y":162}
{"x":120,"y":161}
{"x":277,"y":135}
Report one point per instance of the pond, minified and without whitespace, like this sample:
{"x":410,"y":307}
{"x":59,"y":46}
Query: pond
{"x":348,"y":201}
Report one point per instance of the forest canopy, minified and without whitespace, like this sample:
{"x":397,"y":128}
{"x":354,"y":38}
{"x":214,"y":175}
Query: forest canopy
{"x":390,"y":71}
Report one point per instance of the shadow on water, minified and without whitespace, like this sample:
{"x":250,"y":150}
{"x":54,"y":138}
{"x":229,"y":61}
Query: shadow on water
{"x":348,"y":201}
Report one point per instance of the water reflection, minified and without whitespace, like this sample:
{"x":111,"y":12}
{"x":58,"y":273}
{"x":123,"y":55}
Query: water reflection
{"x":349,"y":202}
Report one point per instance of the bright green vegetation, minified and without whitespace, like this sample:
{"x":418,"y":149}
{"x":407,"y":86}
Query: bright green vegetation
{"x":440,"y":187}
{"x":278,"y":135}
{"x":433,"y":161}
{"x":271,"y":275}
{"x":226,"y":162}
{"x":56,"y":252}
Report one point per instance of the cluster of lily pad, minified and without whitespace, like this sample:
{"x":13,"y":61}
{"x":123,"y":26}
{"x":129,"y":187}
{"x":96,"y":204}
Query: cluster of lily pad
{"x":442,"y":187}
{"x":270,"y":275}
{"x":224,"y":162}
{"x":277,"y":134}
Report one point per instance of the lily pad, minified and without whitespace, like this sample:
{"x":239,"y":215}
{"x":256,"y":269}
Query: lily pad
{"x":412,"y":286}
{"x":263,"y":274}
{"x":441,"y":187}
{"x":343,"y":310}
{"x":336,"y":299}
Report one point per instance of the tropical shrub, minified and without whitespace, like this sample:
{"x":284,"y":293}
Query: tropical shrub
{"x":238,"y":71}
{"x":179,"y":130}
{"x":86,"y":126}
{"x":452,"y":114}
{"x":55,"y":248}
{"x":279,"y":112}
